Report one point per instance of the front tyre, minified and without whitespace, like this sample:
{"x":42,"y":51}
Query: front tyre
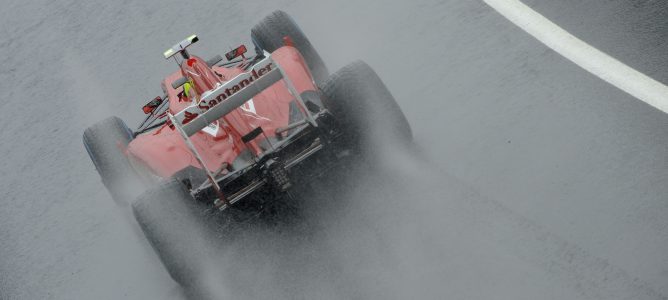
{"x":105,"y":143}
{"x":268,"y":35}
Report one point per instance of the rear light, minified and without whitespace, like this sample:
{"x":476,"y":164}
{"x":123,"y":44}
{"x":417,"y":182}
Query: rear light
{"x":287,"y":41}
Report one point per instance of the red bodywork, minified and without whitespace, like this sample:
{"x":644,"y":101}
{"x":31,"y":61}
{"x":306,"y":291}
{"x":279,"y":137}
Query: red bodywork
{"x":164,"y":152}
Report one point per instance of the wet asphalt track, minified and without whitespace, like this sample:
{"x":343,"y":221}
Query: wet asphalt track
{"x":537,"y":180}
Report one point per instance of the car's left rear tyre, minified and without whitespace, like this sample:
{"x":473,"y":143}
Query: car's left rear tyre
{"x":175,"y":225}
{"x":105,"y":143}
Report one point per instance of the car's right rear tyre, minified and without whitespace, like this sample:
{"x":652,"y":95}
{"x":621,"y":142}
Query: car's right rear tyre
{"x":367,"y":113}
{"x":174,"y":223}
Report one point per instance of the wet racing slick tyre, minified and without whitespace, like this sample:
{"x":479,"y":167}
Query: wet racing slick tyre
{"x":366,"y":112}
{"x":105,"y":143}
{"x":268,"y":35}
{"x":174,"y":223}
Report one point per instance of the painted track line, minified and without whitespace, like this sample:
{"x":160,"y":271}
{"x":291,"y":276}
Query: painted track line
{"x":589,"y":58}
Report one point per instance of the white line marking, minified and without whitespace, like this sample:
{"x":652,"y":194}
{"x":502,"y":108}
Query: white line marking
{"x":589,"y":58}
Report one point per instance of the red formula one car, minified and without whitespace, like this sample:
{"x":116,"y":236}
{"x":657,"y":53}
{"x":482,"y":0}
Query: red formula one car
{"x":233,"y":137}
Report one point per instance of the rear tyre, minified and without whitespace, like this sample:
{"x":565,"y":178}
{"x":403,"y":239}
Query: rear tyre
{"x":174,"y":224}
{"x":367,"y":113}
{"x":268,"y":35}
{"x":105,"y":142}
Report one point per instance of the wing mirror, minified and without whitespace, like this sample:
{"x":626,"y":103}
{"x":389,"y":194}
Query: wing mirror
{"x":239,"y":51}
{"x":152,"y":105}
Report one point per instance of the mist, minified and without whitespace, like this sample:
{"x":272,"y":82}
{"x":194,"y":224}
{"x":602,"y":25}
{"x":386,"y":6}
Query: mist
{"x":529,"y":178}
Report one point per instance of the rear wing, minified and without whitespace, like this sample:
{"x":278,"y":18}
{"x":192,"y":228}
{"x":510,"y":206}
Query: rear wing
{"x":220,"y":101}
